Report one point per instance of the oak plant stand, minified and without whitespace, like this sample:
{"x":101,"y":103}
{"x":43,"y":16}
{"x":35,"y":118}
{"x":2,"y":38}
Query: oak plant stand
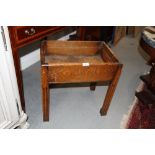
{"x":76,"y":62}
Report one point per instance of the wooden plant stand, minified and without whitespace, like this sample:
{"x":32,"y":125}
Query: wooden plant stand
{"x":76,"y":62}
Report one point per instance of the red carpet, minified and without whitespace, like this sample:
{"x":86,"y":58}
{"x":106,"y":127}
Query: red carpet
{"x":140,"y":117}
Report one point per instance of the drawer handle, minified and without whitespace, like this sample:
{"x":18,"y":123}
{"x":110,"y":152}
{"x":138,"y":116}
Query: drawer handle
{"x":31,"y":32}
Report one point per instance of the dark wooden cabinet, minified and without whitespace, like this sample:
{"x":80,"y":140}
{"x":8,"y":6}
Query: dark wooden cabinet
{"x":24,"y":35}
{"x":96,"y":33}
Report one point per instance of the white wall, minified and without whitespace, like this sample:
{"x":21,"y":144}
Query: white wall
{"x":33,"y":57}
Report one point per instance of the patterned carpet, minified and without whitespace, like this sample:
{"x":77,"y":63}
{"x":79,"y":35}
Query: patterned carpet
{"x":140,"y":116}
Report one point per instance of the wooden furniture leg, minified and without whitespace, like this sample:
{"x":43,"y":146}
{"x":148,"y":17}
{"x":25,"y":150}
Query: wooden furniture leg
{"x":45,"y":93}
{"x":19,"y":76}
{"x":93,"y":86}
{"x":110,"y":92}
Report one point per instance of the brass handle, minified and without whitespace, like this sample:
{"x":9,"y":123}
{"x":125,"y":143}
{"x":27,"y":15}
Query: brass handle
{"x":31,"y":32}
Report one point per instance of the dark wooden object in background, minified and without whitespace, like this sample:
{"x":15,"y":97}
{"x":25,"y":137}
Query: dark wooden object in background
{"x":134,"y":30}
{"x":147,"y":95}
{"x":94,"y":33}
{"x":149,"y":50}
{"x":76,"y":62}
{"x":119,"y":33}
{"x":24,"y":35}
{"x":149,"y":79}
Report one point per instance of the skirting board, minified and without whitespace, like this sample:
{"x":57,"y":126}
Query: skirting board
{"x":33,"y":57}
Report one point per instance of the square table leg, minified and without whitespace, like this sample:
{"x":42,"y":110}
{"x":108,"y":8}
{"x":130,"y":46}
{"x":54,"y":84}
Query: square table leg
{"x":110,"y":92}
{"x":45,"y":93}
{"x":93,"y":86}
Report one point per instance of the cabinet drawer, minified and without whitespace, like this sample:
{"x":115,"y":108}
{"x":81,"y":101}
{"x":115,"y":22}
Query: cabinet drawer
{"x":23,"y":35}
{"x":25,"y":32}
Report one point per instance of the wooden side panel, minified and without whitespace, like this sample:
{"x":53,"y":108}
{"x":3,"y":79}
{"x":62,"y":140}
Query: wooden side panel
{"x":73,"y":47}
{"x":108,"y":55}
{"x":54,"y":43}
{"x":73,"y":50}
{"x":79,"y":73}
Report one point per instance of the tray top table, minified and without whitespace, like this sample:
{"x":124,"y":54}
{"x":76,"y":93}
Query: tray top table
{"x":77,"y":62}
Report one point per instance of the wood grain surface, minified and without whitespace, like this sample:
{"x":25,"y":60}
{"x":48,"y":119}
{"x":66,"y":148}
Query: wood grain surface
{"x":76,"y":62}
